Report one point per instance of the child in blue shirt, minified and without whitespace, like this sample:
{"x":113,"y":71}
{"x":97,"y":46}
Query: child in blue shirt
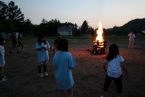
{"x":42,"y":47}
{"x":64,"y":63}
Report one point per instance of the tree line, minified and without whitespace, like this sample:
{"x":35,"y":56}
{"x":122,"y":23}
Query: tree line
{"x":13,"y":20}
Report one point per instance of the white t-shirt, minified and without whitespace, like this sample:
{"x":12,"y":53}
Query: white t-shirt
{"x":42,"y":54}
{"x":114,"y":67}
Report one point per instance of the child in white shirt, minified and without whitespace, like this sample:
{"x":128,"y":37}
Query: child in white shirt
{"x":42,"y":47}
{"x":131,"y":36}
{"x":113,"y":68}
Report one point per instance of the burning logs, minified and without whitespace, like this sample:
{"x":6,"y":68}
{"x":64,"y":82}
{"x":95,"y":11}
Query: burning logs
{"x":99,"y":47}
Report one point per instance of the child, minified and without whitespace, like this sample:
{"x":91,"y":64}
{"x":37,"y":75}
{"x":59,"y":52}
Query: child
{"x":64,"y":63}
{"x":20,"y":43}
{"x":131,"y":36}
{"x":42,"y":47}
{"x":2,"y":60}
{"x":113,"y":68}
{"x":14,"y":42}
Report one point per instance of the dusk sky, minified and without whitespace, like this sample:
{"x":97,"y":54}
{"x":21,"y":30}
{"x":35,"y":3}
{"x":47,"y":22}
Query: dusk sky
{"x":110,"y":12}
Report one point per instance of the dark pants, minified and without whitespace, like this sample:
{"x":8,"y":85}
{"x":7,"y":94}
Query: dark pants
{"x":20,"y":44}
{"x":118,"y":83}
{"x":40,"y":68}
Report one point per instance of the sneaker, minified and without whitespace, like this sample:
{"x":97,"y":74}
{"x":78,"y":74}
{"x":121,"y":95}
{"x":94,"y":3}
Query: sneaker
{"x":45,"y":73}
{"x":40,"y":75}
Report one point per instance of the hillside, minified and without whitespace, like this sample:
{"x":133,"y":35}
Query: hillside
{"x":136,"y":25}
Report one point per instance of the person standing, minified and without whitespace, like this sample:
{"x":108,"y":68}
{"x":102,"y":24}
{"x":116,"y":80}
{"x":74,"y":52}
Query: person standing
{"x":20,"y":43}
{"x":113,"y":68}
{"x":2,"y":60}
{"x":14,"y":42}
{"x":64,"y":63}
{"x":42,"y":47}
{"x":131,"y":36}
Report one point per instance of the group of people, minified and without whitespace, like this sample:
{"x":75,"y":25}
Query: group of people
{"x":16,"y":39}
{"x":64,"y":62}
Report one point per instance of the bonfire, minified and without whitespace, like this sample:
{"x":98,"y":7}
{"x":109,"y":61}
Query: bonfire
{"x":99,"y":44}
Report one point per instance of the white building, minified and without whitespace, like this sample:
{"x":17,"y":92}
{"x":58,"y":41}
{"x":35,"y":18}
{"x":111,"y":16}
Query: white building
{"x":65,"y":30}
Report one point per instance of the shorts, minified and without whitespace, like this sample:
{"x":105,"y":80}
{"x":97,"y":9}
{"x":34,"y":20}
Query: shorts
{"x":43,"y":62}
{"x":43,"y":59}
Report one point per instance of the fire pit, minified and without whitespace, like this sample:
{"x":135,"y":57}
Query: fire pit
{"x":99,"y":44}
{"x":99,"y":47}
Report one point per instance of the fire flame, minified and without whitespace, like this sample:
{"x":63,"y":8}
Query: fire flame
{"x":99,"y":33}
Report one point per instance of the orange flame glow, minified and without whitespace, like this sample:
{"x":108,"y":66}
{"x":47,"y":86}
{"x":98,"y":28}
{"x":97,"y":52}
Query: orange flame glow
{"x":99,"y":33}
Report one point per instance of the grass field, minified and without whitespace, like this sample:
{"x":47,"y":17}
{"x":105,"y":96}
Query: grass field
{"x":89,"y":75}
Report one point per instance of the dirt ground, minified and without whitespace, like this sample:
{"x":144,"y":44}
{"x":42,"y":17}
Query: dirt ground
{"x":89,"y":75}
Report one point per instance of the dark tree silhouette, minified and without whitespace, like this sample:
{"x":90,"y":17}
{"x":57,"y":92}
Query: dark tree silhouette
{"x":84,"y":27}
{"x":14,"y":13}
{"x":76,"y":30}
{"x":3,"y":10}
{"x":47,"y":27}
{"x":6,"y":26}
{"x":26,"y":27}
{"x":44,"y":21}
{"x":53,"y":26}
{"x":91,"y":31}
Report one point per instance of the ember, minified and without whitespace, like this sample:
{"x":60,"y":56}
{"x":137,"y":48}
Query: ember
{"x":99,"y":44}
